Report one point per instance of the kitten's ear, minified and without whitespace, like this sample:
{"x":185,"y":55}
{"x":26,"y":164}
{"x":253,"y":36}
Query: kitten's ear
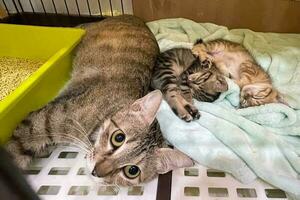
{"x":169,"y":159}
{"x":263,"y":92}
{"x":148,"y":106}
{"x":198,"y":41}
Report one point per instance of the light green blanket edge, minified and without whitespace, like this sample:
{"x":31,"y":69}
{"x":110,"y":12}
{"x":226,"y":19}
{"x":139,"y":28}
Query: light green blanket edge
{"x":265,"y":130}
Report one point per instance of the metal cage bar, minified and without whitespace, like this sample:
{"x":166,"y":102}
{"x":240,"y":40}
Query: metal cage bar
{"x":21,"y":6}
{"x":6,"y":8}
{"x":111,"y":8}
{"x":66,"y":6}
{"x":65,"y":13}
{"x":31,"y":5}
{"x":54,"y":6}
{"x":78,"y":10}
{"x":43,"y":6}
{"x":16,"y":7}
{"x":100,"y":9}
{"x":122,"y":7}
{"x":88,"y":5}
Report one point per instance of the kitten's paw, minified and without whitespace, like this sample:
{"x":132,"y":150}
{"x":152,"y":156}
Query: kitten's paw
{"x":193,"y":111}
{"x":186,"y":117}
{"x":182,"y":113}
{"x":188,"y":113}
{"x":245,"y":102}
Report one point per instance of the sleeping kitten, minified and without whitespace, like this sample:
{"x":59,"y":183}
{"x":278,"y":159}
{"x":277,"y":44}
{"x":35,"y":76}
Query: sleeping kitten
{"x":181,"y":77}
{"x":234,"y":61}
{"x":101,"y":109}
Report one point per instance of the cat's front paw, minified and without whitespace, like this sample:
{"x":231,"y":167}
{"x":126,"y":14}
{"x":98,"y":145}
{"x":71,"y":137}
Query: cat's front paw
{"x":20,"y":159}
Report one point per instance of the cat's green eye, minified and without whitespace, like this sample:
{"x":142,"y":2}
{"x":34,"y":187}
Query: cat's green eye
{"x":131,"y":171}
{"x":117,"y":138}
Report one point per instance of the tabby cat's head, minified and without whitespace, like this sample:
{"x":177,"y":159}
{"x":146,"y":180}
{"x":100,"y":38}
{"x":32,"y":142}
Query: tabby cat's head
{"x":129,"y":148}
{"x":259,"y":94}
{"x":205,"y":82}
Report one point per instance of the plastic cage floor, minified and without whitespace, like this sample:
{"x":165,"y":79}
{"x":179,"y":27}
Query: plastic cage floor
{"x":62,"y":176}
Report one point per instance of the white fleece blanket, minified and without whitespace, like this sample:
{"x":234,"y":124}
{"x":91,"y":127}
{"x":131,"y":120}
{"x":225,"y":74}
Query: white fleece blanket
{"x":261,"y":141}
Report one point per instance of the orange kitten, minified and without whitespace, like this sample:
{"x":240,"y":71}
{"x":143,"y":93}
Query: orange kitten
{"x":235,"y":62}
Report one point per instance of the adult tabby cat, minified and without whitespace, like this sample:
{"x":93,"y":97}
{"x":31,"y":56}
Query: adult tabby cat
{"x":180,"y":76}
{"x":234,"y":61}
{"x":102,"y":111}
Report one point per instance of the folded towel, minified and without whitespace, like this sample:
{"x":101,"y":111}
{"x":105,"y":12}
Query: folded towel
{"x":261,"y":141}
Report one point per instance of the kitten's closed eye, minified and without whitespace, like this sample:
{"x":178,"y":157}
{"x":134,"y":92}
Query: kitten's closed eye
{"x":200,"y":77}
{"x":205,"y":76}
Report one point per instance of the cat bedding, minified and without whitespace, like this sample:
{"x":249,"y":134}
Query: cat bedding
{"x":259,"y":141}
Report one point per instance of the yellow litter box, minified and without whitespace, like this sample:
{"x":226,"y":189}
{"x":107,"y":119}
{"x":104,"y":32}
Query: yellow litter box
{"x":54,"y":47}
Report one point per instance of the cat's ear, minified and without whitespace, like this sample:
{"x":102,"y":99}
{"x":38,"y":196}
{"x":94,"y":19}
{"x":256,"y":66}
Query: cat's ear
{"x":148,"y":106}
{"x":170,"y":159}
{"x":262,"y":92}
{"x":198,"y":41}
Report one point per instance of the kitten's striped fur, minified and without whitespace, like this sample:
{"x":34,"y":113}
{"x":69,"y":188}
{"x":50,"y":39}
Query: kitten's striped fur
{"x":234,"y":61}
{"x":112,"y":69}
{"x":180,"y":76}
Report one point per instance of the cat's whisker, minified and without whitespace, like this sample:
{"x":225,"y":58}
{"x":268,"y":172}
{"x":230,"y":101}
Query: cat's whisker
{"x":76,"y":139}
{"x":71,"y":142}
{"x":65,"y":136}
{"x":82,"y":131}
{"x":79,"y":131}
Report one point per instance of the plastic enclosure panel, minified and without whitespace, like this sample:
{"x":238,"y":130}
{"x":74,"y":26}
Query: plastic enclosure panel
{"x":54,"y":46}
{"x":62,"y":175}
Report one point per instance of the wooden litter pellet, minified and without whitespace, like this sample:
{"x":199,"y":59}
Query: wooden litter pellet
{"x":13,"y":71}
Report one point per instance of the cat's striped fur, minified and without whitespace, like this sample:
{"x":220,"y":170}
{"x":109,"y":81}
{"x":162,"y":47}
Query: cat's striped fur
{"x":112,"y":69}
{"x":180,"y":76}
{"x":234,"y":61}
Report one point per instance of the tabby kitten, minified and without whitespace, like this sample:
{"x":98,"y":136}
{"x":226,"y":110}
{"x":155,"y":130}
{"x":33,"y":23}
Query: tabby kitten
{"x":234,"y":61}
{"x":180,"y":76}
{"x":101,"y":109}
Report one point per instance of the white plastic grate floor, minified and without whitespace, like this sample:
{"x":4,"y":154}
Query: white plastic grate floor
{"x":62,"y":176}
